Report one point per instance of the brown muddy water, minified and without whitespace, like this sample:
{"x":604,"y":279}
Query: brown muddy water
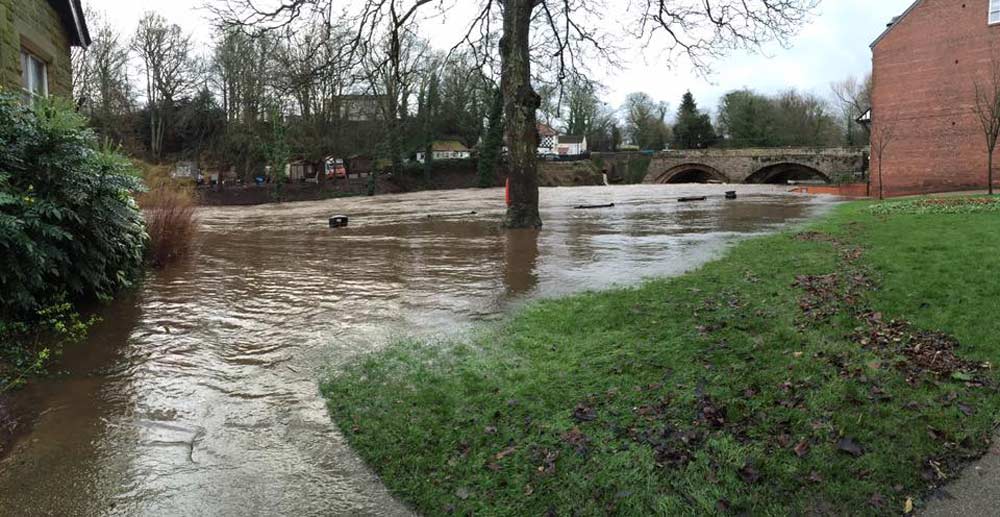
{"x":198,"y":394}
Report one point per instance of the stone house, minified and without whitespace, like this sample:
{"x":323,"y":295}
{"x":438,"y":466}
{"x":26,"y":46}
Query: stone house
{"x":35,"y":41}
{"x":924,"y":68}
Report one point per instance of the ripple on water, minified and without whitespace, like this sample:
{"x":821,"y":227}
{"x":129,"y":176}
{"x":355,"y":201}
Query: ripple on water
{"x":201,"y":397}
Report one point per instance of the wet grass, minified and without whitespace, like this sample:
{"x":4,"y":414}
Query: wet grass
{"x":794,"y":376}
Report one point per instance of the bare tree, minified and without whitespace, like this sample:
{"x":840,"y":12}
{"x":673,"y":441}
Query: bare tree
{"x":987,"y":111}
{"x":392,"y":71}
{"x":101,"y":79}
{"x":563,"y":31}
{"x":883,"y":133}
{"x":854,"y":97}
{"x":242,"y":70}
{"x":165,"y":52}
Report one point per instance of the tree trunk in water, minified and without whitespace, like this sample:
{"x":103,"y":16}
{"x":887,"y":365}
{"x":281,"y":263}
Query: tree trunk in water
{"x":520,"y":105}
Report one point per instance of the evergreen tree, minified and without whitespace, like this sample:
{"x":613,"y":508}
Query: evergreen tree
{"x":429,"y":107}
{"x":489,"y":155}
{"x":693,"y":129}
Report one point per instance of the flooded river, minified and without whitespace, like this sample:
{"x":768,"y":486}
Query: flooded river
{"x":198,"y":394}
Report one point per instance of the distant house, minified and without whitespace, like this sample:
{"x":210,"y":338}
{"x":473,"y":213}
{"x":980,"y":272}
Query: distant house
{"x":186,"y":170}
{"x":924,"y":68}
{"x":547,"y":139}
{"x":360,"y":108}
{"x":300,"y":170}
{"x":551,"y":143}
{"x":35,"y":41}
{"x":446,"y":150}
{"x":569,"y":145}
{"x":360,"y":164}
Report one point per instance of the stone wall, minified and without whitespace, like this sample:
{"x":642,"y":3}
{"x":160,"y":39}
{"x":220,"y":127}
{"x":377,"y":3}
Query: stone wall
{"x":923,"y":87}
{"x":34,"y":25}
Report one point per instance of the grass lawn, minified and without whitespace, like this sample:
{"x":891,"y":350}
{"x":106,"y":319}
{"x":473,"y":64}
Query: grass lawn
{"x":839,"y":371}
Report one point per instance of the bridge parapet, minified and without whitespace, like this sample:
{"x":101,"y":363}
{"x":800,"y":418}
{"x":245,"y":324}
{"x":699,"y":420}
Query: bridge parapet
{"x":752,"y":165}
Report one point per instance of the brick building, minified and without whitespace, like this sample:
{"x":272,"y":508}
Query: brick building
{"x":924,"y":68}
{"x":35,"y":41}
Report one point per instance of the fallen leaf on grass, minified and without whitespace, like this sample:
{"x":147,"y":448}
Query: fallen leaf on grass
{"x":849,"y":446}
{"x":584,"y":413}
{"x":506,"y":452}
{"x":802,"y":449}
{"x":462,"y":494}
{"x":877,"y":501}
{"x":749,"y":474}
{"x":815,"y":477}
{"x":908,"y":506}
{"x":548,"y":462}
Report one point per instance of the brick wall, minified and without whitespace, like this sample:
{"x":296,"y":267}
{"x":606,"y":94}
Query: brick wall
{"x":923,"y":74}
{"x":35,"y":25}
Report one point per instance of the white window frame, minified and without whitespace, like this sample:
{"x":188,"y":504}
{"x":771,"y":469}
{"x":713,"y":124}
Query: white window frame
{"x":993,"y":12}
{"x":32,"y":90}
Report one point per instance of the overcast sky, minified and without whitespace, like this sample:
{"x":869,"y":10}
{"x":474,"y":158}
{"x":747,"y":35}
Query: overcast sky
{"x":833,"y":46}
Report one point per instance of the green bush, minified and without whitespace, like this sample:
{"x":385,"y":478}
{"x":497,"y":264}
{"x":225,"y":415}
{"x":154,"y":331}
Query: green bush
{"x":27,"y":348}
{"x":69,"y":227}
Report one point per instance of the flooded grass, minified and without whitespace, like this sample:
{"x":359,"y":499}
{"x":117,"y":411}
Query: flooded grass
{"x":843,"y":371}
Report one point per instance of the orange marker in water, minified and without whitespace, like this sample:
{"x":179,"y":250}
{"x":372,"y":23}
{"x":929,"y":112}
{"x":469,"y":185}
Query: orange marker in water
{"x":507,"y":192}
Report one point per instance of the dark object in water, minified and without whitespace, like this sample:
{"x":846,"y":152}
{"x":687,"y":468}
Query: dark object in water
{"x":592,"y":207}
{"x":690,"y":199}
{"x":338,"y":221}
{"x":428,"y":216}
{"x":731,"y":194}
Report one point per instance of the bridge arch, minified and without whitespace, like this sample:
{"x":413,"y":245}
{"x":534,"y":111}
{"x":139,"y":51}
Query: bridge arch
{"x":782,"y":173}
{"x":692,"y":173}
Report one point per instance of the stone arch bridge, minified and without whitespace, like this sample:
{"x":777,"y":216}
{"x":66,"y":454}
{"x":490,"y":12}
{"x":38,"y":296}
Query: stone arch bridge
{"x":776,"y":166}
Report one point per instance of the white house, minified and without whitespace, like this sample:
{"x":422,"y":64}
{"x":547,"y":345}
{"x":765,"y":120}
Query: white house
{"x":547,"y":139}
{"x":568,"y":145}
{"x":447,"y":150}
{"x":551,"y":143}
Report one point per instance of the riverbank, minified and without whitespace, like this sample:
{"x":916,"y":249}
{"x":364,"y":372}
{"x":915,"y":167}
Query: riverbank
{"x":451,"y":175}
{"x":839,"y":370}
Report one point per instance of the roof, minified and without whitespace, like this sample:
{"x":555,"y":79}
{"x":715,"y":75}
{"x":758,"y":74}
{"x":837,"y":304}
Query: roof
{"x":71,"y":15}
{"x":895,"y":21}
{"x":546,"y":130}
{"x":449,"y":145}
{"x":571,"y":139}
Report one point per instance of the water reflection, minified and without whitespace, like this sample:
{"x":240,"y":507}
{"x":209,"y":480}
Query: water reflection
{"x":520,"y":260}
{"x":198,"y":396}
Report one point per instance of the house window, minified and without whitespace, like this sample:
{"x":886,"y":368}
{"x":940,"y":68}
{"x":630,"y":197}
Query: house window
{"x":994,"y":11}
{"x":34,"y":76}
